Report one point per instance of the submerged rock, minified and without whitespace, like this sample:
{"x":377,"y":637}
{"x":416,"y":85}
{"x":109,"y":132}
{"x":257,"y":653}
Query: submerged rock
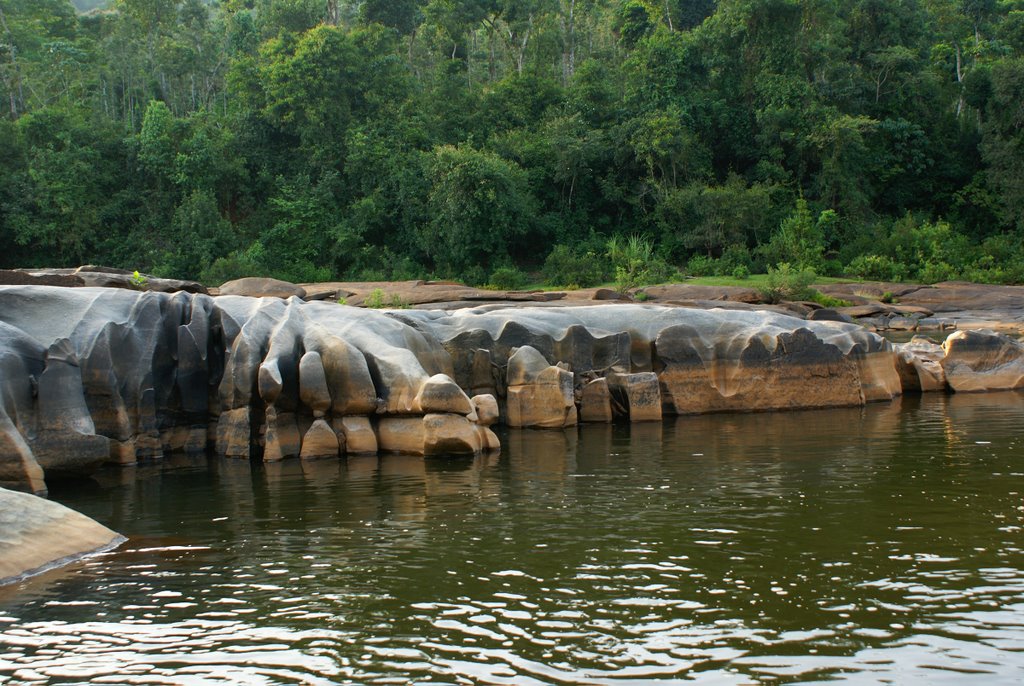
{"x":37,"y":535}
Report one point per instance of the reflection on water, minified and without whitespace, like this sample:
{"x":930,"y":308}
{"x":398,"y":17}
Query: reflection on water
{"x":872,"y":544}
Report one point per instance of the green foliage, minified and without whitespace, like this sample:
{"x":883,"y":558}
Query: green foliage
{"x":378,"y":299}
{"x":788,"y":283}
{"x":397,"y":139}
{"x":635,"y":263}
{"x":827,"y":300}
{"x":565,"y":266}
{"x":877,"y":268}
{"x":478,"y":205}
{"x":508,"y":279}
{"x":800,"y":239}
{"x":138,"y":281}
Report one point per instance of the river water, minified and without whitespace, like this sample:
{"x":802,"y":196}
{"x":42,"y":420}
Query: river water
{"x":870,"y":545}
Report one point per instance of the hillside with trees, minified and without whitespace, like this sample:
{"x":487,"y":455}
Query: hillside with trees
{"x":391,"y":139}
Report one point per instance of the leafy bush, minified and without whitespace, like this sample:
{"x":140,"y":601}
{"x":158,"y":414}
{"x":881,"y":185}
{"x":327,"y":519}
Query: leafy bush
{"x":508,"y":279}
{"x":565,"y":266}
{"x":635,"y":263}
{"x":787,"y":283}
{"x":702,"y":265}
{"x":741,"y":272}
{"x":933,"y":272}
{"x":877,"y":268}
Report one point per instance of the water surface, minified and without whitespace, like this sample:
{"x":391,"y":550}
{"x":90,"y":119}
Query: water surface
{"x":878,"y":544}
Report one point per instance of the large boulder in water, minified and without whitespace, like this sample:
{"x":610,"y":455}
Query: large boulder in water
{"x":37,"y":534}
{"x":983,"y":361}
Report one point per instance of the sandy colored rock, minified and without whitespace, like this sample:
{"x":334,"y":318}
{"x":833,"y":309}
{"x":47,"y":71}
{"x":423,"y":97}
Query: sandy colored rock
{"x":486,"y":407}
{"x":320,"y":441}
{"x":234,"y":433}
{"x":359,"y":437}
{"x":636,"y":396}
{"x":261,"y":287}
{"x":919,"y":363}
{"x":983,"y":361}
{"x":450,"y":434}
{"x":282,"y":438}
{"x":313,"y":389}
{"x":401,"y":435}
{"x":440,"y":394}
{"x":596,"y":402}
{"x":37,"y":534}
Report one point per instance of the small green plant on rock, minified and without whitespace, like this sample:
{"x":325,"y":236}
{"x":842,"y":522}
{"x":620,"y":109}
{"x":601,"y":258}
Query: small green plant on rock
{"x":138,"y":281}
{"x":378,"y":299}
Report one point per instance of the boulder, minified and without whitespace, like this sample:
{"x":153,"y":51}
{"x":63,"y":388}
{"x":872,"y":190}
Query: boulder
{"x":37,"y":535}
{"x":356,"y":434}
{"x":320,"y":441}
{"x":440,"y":394}
{"x":919,"y":363}
{"x":539,"y":395}
{"x":596,"y":402}
{"x":983,"y":361}
{"x":262,"y":287}
{"x":451,"y":434}
{"x":486,"y":408}
{"x":401,"y":435}
{"x":827,"y":314}
{"x":636,"y":396}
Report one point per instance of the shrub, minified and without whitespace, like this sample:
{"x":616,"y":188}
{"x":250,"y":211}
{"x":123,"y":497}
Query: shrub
{"x":877,"y":268}
{"x":741,"y":272}
{"x":933,"y":272}
{"x":508,"y":279}
{"x":378,"y":299}
{"x":635,"y":263}
{"x":565,"y":266}
{"x":827,"y":300}
{"x":787,"y":283}
{"x":735,"y":255}
{"x":701,"y":265}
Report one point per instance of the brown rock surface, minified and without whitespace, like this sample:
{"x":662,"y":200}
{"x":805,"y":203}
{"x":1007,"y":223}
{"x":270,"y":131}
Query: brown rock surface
{"x":262,"y":287}
{"x":37,"y":535}
{"x":983,"y":361}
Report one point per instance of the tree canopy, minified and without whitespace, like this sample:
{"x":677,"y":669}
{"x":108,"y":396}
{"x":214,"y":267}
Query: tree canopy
{"x":314,"y":139}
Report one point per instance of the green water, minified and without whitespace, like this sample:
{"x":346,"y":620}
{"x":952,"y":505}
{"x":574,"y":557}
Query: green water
{"x":871,"y":545}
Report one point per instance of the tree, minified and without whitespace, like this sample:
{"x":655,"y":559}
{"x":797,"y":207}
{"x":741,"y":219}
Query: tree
{"x":478,"y":206}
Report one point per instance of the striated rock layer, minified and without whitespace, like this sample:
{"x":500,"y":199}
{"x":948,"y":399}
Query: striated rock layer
{"x":93,"y":375}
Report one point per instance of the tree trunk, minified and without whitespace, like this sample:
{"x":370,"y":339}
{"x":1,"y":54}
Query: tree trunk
{"x":14,"y":84}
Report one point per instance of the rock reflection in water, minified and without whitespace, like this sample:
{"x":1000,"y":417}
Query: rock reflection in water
{"x":870,"y":544}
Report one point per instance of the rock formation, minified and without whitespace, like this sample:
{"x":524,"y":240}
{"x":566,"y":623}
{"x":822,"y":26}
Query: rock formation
{"x":92,"y":375}
{"x":37,"y":535}
{"x":983,"y":361}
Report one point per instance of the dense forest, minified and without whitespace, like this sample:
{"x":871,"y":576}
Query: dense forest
{"x":391,"y":139}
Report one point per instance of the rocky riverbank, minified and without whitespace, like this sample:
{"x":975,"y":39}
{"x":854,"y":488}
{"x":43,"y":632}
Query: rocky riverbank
{"x":94,"y":375}
{"x":127,"y":371}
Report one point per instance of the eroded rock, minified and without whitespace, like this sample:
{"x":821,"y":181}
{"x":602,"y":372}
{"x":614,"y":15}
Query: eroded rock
{"x":983,"y":361}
